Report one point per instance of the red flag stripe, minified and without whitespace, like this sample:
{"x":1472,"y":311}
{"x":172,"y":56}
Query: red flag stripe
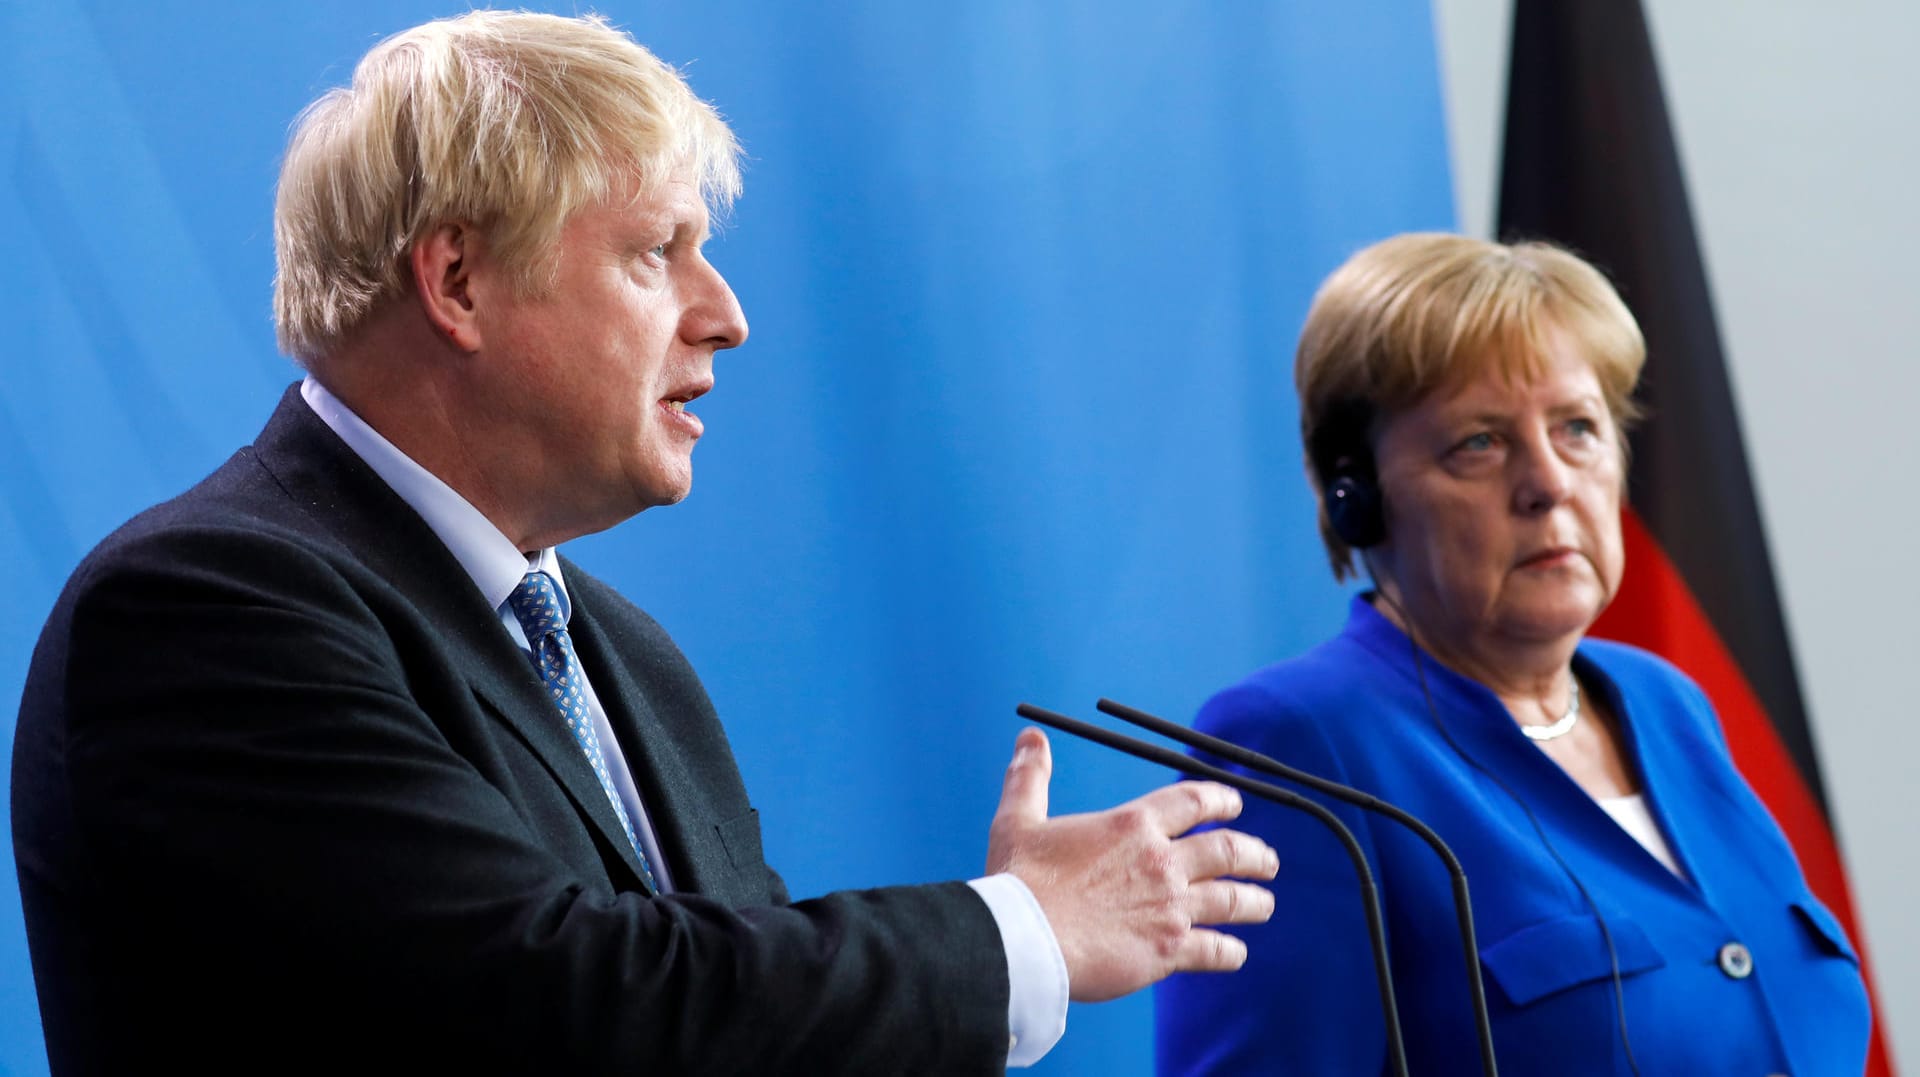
{"x":1657,"y":611}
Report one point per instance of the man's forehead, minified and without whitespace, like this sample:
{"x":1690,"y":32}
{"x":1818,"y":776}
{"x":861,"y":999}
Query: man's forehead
{"x":673,"y":201}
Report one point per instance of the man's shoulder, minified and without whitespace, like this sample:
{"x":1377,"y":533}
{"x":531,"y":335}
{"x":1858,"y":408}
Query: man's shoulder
{"x":290,"y":523}
{"x":211,"y":526}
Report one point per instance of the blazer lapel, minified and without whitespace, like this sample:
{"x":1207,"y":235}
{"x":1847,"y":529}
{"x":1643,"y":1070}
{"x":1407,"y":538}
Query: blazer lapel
{"x":1481,"y":725}
{"x":1649,"y":749}
{"x":344,"y":496}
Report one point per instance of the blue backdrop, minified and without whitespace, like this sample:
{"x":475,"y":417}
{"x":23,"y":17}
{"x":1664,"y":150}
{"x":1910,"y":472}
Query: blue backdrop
{"x":1015,"y":421}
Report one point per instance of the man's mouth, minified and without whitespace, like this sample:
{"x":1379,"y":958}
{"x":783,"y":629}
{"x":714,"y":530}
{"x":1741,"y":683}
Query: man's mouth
{"x":680,"y":400}
{"x":676,"y":406}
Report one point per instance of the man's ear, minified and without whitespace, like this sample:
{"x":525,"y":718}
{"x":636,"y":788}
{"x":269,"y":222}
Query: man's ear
{"x":442,"y":263}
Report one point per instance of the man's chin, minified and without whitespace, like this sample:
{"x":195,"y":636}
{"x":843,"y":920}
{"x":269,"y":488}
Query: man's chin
{"x":666,"y":490}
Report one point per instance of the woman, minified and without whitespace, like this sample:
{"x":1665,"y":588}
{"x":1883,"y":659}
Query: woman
{"x":1463,"y":406}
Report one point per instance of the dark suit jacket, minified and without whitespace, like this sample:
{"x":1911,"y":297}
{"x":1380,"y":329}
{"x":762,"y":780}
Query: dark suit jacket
{"x":287,"y":798}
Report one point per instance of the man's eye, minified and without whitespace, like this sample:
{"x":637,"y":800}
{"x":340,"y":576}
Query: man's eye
{"x":658,"y":250}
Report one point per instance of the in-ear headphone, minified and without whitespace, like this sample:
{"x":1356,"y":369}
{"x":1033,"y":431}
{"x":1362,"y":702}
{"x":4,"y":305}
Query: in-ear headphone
{"x":1350,"y":489}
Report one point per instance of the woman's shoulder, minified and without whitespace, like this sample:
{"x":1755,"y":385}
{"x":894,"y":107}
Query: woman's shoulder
{"x":1649,"y":684}
{"x":1298,"y":698}
{"x":1637,"y":672}
{"x":1625,"y":660}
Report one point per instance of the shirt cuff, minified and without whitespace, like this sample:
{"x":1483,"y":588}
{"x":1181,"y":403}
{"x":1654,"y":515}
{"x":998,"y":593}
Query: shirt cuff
{"x":1036,"y":971}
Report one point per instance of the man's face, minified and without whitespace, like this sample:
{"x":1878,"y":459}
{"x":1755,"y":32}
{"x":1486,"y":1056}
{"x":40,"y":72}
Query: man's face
{"x":591,"y":377}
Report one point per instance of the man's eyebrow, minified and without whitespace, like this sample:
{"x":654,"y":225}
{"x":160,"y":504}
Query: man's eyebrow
{"x":680,"y":228}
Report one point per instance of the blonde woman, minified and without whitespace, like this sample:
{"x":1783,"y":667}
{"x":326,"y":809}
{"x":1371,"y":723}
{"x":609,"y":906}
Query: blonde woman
{"x":1463,"y":407}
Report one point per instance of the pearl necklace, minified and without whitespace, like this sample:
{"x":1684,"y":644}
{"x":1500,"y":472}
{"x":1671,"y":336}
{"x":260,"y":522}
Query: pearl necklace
{"x":1561,"y":728}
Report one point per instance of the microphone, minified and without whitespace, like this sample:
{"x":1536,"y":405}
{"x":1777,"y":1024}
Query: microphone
{"x":1252,"y":760}
{"x":1370,"y":895}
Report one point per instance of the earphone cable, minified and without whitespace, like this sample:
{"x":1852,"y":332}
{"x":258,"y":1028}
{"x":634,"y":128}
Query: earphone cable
{"x":1433,"y":711}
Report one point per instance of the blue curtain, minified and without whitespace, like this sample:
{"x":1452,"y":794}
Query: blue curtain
{"x":1015,"y":421}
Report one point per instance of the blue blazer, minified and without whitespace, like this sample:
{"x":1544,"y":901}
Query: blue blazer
{"x":1307,"y":1002}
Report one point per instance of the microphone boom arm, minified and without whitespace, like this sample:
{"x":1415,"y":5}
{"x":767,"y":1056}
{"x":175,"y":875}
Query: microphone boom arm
{"x":1265,"y":764}
{"x":1166,"y":757}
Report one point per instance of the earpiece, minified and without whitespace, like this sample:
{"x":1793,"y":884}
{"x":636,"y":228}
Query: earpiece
{"x":1343,"y":458}
{"x":1354,"y":509}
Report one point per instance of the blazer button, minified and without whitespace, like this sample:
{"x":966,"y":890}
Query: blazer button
{"x":1736,"y":961}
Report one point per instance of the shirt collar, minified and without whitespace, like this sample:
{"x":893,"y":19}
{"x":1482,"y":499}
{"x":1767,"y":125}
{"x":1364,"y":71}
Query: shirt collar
{"x":492,"y":561}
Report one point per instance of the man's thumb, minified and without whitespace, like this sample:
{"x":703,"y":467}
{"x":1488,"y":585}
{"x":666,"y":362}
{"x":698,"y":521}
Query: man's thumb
{"x":1023,"y":799}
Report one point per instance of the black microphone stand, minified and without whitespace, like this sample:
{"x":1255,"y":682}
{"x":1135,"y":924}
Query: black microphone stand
{"x":1252,"y":760}
{"x":1166,"y":757}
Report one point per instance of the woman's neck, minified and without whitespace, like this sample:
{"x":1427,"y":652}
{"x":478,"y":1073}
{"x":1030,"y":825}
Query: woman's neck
{"x":1533,"y":678}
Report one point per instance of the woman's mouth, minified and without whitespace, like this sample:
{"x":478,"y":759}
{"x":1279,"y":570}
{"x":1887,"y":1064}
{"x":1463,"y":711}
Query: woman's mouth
{"x":1549,"y":558}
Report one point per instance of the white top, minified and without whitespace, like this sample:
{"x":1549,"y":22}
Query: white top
{"x":1635,"y":818}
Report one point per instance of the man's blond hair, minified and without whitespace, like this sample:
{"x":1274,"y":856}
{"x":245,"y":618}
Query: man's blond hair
{"x":507,"y":121}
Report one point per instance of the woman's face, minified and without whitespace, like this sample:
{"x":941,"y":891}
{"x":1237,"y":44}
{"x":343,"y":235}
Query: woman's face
{"x":1503,"y":507}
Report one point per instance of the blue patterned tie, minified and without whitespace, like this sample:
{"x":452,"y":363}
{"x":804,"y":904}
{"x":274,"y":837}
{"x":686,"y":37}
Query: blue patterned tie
{"x":536,"y":602}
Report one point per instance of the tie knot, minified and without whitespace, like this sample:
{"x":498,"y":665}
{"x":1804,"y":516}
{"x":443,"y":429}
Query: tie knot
{"x":536,"y":604}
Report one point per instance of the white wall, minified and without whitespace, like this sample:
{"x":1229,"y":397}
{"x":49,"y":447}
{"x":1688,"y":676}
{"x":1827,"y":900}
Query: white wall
{"x":1799,"y":129}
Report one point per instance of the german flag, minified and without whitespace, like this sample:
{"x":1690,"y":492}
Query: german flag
{"x":1590,"y":163}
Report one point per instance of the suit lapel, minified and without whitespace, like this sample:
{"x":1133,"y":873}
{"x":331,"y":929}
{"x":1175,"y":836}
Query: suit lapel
{"x":520,"y":701}
{"x":659,"y":772}
{"x":345,"y":497}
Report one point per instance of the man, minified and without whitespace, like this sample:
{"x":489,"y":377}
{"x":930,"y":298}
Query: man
{"x":332,"y":764}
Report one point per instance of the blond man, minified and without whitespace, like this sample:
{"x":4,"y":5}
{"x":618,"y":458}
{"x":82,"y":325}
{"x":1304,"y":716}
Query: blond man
{"x":333,"y":764}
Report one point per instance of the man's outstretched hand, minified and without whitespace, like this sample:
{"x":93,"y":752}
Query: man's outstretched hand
{"x":1123,"y":890}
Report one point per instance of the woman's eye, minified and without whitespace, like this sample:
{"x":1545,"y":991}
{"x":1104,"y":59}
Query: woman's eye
{"x":1480,"y":442}
{"x":1584,"y":428}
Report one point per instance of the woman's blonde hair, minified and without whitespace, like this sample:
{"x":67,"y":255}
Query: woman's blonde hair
{"x":1425,"y":311}
{"x":508,"y":121}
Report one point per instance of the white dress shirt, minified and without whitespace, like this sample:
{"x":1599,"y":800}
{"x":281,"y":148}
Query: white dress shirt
{"x":1036,"y":971}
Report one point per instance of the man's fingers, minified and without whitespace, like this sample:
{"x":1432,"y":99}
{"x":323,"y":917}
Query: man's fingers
{"x":1216,"y":853}
{"x":1210,"y":951}
{"x":1023,"y":799}
{"x":1180,"y":807}
{"x":1223,"y":902}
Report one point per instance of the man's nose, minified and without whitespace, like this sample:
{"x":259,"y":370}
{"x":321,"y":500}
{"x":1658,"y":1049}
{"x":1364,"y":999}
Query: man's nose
{"x":715,"y":318}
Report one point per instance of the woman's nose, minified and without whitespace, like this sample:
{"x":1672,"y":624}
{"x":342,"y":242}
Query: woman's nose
{"x":1544,"y":479}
